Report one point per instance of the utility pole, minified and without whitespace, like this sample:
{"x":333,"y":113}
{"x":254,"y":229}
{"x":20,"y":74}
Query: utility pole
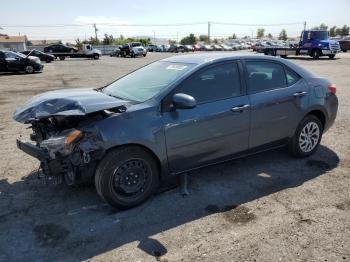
{"x":304,"y":25}
{"x":154,"y":37}
{"x":208,"y":32}
{"x":95,"y":31}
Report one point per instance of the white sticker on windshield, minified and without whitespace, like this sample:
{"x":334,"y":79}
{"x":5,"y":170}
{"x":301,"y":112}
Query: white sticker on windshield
{"x":176,"y":67}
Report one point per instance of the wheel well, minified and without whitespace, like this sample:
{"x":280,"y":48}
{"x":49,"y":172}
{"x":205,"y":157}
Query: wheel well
{"x":320,"y":115}
{"x":144,"y":148}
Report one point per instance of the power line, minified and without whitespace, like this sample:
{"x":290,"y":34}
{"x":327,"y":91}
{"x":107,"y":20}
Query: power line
{"x":144,"y":24}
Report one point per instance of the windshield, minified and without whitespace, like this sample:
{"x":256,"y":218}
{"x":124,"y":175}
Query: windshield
{"x":147,"y":81}
{"x":319,"y":35}
{"x":10,"y":54}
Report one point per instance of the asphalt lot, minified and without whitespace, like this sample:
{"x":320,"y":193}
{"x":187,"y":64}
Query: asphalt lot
{"x":267,"y":207}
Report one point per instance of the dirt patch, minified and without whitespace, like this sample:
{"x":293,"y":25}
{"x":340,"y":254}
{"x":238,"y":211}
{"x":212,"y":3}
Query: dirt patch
{"x":50,"y":234}
{"x":343,"y":206}
{"x":3,"y":101}
{"x":25,"y":91}
{"x":241,"y":214}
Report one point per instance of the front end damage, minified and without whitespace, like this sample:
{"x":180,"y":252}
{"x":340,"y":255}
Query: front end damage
{"x":68,"y":155}
{"x":64,"y":137}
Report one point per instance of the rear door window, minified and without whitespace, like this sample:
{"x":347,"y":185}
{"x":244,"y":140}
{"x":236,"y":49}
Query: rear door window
{"x":263,"y":76}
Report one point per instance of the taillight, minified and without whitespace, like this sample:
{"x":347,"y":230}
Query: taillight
{"x":332,"y":88}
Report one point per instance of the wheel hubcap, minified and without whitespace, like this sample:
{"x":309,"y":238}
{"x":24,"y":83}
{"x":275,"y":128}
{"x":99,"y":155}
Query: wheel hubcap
{"x":309,"y":137}
{"x":131,"y":178}
{"x":29,"y":69}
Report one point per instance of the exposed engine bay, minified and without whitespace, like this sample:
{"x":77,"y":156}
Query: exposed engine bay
{"x":65,"y":140}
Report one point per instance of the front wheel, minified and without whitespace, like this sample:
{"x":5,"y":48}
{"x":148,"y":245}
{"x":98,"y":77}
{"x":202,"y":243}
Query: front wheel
{"x":331,"y":56}
{"x":126,"y":177}
{"x":96,"y":56}
{"x":29,"y":69}
{"x":315,"y":54}
{"x":307,"y":137}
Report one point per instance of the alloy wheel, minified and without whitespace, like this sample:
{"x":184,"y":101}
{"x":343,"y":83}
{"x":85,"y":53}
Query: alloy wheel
{"x":309,"y":137}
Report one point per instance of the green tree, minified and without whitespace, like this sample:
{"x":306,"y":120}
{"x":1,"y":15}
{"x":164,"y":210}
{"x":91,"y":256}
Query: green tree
{"x":345,"y":30}
{"x":234,"y":36}
{"x":283,"y":35}
{"x":203,"y":38}
{"x":78,"y":43}
{"x":94,"y":41}
{"x":269,"y":35}
{"x":320,"y":27}
{"x":189,"y":40}
{"x":332,"y":31}
{"x":260,"y":33}
{"x":108,"y":39}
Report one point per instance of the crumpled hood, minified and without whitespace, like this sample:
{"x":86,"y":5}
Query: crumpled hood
{"x":65,"y":102}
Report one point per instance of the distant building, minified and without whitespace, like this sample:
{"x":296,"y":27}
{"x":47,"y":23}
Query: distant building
{"x":14,"y":43}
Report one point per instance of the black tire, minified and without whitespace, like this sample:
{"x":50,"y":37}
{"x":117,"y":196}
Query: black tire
{"x":283,"y":56}
{"x":29,"y":69}
{"x":48,"y":60}
{"x":344,"y":50}
{"x":130,"y":164}
{"x":295,"y":146}
{"x":331,"y":56}
{"x":62,"y":58}
{"x":315,"y":54}
{"x":96,"y":56}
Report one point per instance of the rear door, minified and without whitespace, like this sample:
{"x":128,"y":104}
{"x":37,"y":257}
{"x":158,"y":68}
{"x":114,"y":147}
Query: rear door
{"x":278,"y":98}
{"x":217,"y":127}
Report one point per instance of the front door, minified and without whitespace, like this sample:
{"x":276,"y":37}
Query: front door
{"x":278,"y":97}
{"x":217,"y":127}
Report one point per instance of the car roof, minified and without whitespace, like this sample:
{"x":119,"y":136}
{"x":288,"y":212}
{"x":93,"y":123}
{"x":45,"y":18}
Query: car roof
{"x":204,"y":58}
{"x":212,"y":57}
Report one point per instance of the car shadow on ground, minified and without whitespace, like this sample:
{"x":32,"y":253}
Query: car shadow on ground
{"x":62,"y":223}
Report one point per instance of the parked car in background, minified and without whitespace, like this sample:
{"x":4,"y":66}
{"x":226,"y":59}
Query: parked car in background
{"x":189,"y":48}
{"x":344,"y":44}
{"x":18,"y":62}
{"x":41,"y":55}
{"x":197,"y":47}
{"x":161,"y":120}
{"x":217,"y":47}
{"x":226,"y":47}
{"x":115,"y":52}
{"x":175,"y":48}
{"x":207,"y":48}
{"x":151,"y":48}
{"x":139,"y":51}
{"x":59,"y":48}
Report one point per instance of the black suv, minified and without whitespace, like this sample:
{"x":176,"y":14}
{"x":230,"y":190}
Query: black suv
{"x":59,"y":48}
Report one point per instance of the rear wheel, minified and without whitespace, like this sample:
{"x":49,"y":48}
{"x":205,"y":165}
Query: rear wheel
{"x":126,"y":177}
{"x":62,"y":57}
{"x":331,"y":56}
{"x":315,"y":54}
{"x":96,"y":56}
{"x":307,"y":137}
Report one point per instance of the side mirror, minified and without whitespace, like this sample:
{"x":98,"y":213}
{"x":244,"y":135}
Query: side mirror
{"x":183,"y":101}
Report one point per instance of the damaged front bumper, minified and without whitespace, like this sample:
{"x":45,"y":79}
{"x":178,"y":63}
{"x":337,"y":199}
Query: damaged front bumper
{"x":75,"y":168}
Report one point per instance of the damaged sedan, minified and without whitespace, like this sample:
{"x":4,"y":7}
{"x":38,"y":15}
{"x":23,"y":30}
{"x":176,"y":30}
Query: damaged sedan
{"x":173,"y":116}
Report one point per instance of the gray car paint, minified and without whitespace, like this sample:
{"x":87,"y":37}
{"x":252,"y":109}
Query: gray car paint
{"x":189,"y":138}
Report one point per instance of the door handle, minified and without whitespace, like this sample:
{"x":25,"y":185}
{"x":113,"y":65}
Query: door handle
{"x":240,"y":108}
{"x":301,"y":93}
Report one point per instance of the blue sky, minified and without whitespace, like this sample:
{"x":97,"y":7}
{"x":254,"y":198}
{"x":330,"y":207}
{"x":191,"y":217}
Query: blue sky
{"x":103,"y":12}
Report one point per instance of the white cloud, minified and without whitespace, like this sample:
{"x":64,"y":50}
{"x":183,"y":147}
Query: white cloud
{"x":98,"y":20}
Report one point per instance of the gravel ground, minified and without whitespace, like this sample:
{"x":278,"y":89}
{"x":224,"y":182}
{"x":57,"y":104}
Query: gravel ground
{"x":267,"y":207}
